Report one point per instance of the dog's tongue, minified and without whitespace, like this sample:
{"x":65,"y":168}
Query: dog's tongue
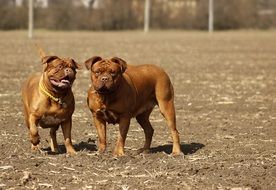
{"x":62,"y":84}
{"x":65,"y":81}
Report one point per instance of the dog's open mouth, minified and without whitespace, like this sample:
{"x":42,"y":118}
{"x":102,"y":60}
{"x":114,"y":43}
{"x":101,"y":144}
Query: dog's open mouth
{"x":62,"y":83}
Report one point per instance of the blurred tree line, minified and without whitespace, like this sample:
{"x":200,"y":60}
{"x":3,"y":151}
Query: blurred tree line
{"x":129,"y":14}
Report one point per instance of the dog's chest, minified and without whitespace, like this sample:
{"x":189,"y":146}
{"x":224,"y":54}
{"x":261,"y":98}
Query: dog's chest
{"x":108,"y":115}
{"x":50,"y":120}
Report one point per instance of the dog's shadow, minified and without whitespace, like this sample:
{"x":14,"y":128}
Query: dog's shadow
{"x":185,"y":148}
{"x":90,"y":145}
{"x":84,"y":146}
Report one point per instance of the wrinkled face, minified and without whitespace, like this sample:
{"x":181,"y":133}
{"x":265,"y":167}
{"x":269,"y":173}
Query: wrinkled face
{"x":60,"y":73}
{"x":106,"y":74}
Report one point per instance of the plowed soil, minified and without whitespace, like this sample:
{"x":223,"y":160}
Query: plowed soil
{"x":225,"y":97}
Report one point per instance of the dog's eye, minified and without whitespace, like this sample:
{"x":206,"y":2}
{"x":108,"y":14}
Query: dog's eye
{"x":59,"y":67}
{"x":113,"y":73}
{"x":97,"y":73}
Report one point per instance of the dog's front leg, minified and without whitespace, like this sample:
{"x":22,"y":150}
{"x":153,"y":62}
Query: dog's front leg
{"x":123,"y":129}
{"x":66,"y":129}
{"x":101,"y":130}
{"x":53,"y":142}
{"x":34,"y":136}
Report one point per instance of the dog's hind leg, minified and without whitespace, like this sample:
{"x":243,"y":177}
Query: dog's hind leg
{"x":165,"y":99}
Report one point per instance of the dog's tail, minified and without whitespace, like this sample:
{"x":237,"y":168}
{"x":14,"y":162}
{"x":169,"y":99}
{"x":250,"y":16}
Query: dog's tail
{"x":40,"y":51}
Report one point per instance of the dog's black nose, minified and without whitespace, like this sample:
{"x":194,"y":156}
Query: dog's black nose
{"x":104,"y":79}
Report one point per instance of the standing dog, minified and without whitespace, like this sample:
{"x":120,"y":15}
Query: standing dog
{"x":120,"y":91}
{"x":49,"y":102}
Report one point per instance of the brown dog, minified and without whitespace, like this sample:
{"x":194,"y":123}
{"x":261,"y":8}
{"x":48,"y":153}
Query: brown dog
{"x":120,"y":91}
{"x":49,"y":102}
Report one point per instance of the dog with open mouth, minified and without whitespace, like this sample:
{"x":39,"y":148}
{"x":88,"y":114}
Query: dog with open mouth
{"x":49,"y":101}
{"x":120,"y":91}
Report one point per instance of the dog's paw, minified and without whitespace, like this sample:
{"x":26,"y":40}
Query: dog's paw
{"x":71,"y":152}
{"x":101,"y":150}
{"x":117,"y":153}
{"x":35,"y":140}
{"x":55,"y":150}
{"x":143,"y":151}
{"x":177,"y":154}
{"x":36,"y":148}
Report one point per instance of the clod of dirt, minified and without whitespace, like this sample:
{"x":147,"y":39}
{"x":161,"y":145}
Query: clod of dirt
{"x":26,"y":177}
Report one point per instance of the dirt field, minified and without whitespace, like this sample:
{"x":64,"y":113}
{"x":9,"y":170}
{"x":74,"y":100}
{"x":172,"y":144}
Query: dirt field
{"x":225,"y":96}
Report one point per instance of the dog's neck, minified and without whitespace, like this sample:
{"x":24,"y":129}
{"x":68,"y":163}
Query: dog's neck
{"x":48,"y":90}
{"x":106,"y":99}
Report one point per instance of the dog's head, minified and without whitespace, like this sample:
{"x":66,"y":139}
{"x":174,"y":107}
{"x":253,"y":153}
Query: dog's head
{"x":106,"y":74}
{"x":59,"y":73}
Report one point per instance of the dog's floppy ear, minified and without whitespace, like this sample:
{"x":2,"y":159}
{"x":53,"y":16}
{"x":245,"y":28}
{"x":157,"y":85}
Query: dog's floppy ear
{"x":121,"y":62}
{"x":89,"y":62}
{"x":74,"y":63}
{"x":47,"y":59}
